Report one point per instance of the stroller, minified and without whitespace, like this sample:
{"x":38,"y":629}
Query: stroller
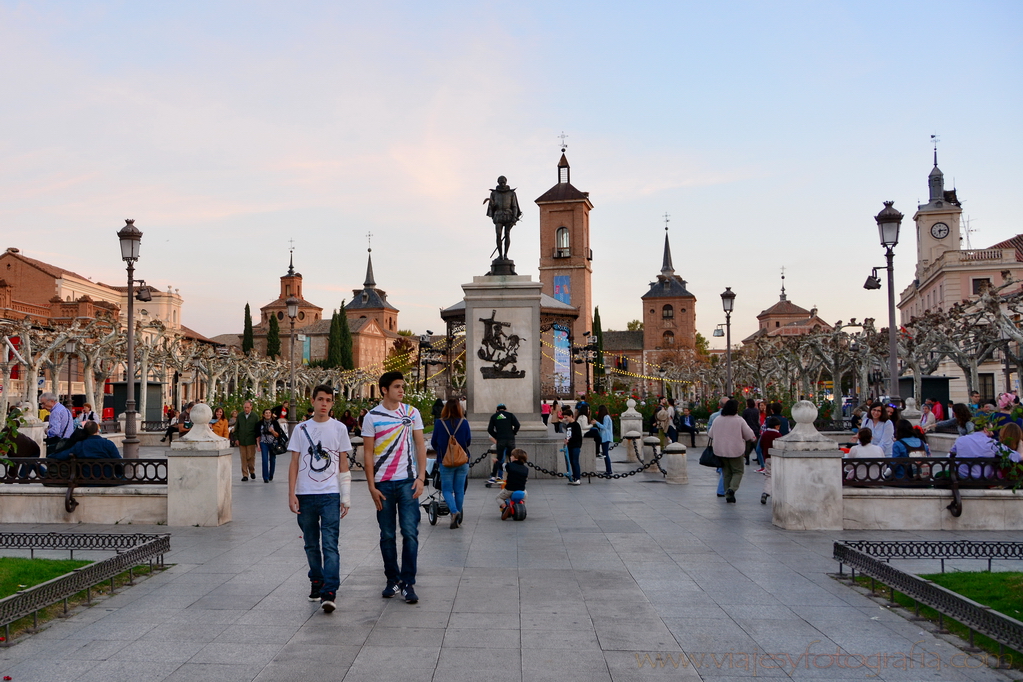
{"x":434,"y":503}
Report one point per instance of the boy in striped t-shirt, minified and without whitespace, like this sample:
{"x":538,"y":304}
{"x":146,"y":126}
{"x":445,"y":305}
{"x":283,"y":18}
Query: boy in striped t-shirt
{"x":395,"y":463}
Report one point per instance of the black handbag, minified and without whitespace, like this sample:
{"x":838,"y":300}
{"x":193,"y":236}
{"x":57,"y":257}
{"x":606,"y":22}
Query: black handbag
{"x":280,"y":446}
{"x":709,"y":459}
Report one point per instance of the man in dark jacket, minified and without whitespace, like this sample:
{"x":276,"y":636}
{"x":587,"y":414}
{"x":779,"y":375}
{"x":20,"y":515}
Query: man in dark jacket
{"x":93,"y":446}
{"x":686,"y":423}
{"x":245,"y":433}
{"x":751,"y":415}
{"x":502,"y":429}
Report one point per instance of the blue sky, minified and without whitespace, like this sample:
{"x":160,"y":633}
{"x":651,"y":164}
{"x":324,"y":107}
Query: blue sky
{"x":770,"y":132}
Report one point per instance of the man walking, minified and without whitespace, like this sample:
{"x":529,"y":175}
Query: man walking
{"x":395,"y":462}
{"x":320,"y":492}
{"x":245,"y":434}
{"x":502,"y":429}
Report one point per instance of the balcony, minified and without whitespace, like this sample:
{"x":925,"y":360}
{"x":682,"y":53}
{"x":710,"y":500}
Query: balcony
{"x":974,"y":258}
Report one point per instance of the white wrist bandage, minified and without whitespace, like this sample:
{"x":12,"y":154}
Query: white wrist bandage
{"x":345,"y":479}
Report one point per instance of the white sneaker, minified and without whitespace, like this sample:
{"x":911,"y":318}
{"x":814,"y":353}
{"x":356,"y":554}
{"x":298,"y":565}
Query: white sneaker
{"x":576,"y":483}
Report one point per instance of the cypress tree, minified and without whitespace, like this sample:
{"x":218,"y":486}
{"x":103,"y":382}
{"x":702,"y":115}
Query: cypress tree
{"x":598,"y":367}
{"x":273,"y":339}
{"x":347,"y":361}
{"x":334,"y":342}
{"x":247,"y":332}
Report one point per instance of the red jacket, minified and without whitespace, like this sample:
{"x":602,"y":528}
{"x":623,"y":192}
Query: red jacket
{"x":767,"y":437}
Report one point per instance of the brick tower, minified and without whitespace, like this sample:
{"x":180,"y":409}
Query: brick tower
{"x":566,"y":261}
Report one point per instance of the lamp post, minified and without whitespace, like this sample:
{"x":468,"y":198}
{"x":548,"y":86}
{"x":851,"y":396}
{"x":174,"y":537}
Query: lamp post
{"x":727,"y":304}
{"x":130,"y":238}
{"x":888,"y":222}
{"x":69,"y":350}
{"x":292,"y":304}
{"x":424,"y":346}
{"x":661,"y":372}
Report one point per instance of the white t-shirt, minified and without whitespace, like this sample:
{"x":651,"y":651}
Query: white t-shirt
{"x":319,"y":447}
{"x":394,"y":446}
{"x":868,"y":450}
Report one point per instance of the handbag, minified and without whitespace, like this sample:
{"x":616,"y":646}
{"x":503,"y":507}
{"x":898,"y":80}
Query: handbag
{"x":455,"y":455}
{"x":709,"y":459}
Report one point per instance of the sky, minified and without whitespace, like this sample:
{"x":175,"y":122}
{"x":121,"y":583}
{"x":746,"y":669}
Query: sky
{"x":770,"y":133}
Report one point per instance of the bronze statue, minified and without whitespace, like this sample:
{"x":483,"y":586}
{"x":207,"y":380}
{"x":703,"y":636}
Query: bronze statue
{"x":503,"y":209}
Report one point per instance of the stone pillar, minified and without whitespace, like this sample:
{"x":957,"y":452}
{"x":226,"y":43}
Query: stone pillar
{"x":650,"y":446}
{"x":199,"y":475}
{"x":806,"y":473}
{"x":33,"y":427}
{"x":631,"y":420}
{"x":632,"y":445}
{"x":674,"y":462}
{"x":912,"y":413}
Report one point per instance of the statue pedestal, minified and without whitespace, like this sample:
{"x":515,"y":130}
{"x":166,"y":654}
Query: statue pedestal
{"x":502,"y":352}
{"x":501,"y":267}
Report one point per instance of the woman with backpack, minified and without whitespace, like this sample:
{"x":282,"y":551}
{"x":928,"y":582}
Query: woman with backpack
{"x":452,"y":427}
{"x":909,"y":442}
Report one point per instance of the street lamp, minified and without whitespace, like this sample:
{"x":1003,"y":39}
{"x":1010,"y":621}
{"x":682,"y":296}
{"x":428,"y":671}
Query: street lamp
{"x":69,"y":350}
{"x":888,"y":222}
{"x":424,"y":347}
{"x":727,"y":304}
{"x":292,"y":304}
{"x":130,"y":238}
{"x":661,"y":372}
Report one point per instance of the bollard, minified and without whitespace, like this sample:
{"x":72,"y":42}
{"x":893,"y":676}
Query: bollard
{"x":631,"y":447}
{"x":674,"y":462}
{"x":651,"y":445}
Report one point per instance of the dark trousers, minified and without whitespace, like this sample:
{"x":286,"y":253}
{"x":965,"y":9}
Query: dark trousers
{"x":573,"y":459}
{"x":504,"y":448}
{"x":400,"y":510}
{"x":691,"y":430}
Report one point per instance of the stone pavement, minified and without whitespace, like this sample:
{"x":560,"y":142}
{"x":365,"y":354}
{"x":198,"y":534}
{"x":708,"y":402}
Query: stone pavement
{"x":609,"y":581}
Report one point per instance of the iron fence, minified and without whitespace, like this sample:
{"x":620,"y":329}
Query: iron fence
{"x":132,"y":550}
{"x":871,"y":559}
{"x":74,"y":473}
{"x":157,"y":426}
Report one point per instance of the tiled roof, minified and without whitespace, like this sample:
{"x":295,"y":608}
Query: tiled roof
{"x":51,"y":270}
{"x":196,"y":336}
{"x":623,"y":340}
{"x":1012,"y":243}
{"x":563,"y":191}
{"x":668,"y":287}
{"x":375,"y":299}
{"x":785,"y":308}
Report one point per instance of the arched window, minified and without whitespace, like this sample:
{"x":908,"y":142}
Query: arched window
{"x":668,"y":339}
{"x":667,"y":312}
{"x":563,"y":244}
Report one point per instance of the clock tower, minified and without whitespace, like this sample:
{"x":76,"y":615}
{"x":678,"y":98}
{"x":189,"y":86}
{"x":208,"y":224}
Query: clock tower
{"x":937,"y":221}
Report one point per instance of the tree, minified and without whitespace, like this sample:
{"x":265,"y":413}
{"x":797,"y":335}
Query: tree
{"x":347,"y":361}
{"x":702,"y":346}
{"x":598,"y":365}
{"x":635,"y":326}
{"x":247,"y":332}
{"x":273,"y":338}
{"x":334,"y":342}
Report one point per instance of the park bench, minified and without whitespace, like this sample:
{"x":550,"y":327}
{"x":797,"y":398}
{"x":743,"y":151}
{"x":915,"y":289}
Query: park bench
{"x":75,"y":473}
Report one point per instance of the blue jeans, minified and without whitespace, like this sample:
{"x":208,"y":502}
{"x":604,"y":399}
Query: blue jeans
{"x":503,"y":448}
{"x":606,"y":448}
{"x":268,"y":468}
{"x":319,"y":517}
{"x":399,"y":503}
{"x":721,"y":484}
{"x":452,"y":486}
{"x":573,"y":459}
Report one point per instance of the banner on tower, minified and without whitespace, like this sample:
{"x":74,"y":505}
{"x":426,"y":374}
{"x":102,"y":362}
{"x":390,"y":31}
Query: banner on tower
{"x":562,"y":289}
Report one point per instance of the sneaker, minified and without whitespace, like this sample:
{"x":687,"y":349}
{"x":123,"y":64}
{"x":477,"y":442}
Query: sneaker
{"x":761,"y":470}
{"x":576,"y":482}
{"x":508,"y":511}
{"x":314,"y":590}
{"x":409,"y":594}
{"x":392,"y":589}
{"x":327,"y":602}
{"x":763,"y":498}
{"x":244,"y":478}
{"x":730,"y":496}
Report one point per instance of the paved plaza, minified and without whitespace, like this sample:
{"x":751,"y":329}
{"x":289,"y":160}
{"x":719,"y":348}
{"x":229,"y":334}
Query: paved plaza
{"x":626,"y":580}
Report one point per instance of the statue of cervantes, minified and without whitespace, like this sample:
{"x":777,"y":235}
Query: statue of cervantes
{"x":503,"y":209}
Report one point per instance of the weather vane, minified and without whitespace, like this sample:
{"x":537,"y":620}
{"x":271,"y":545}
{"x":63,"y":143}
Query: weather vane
{"x":564,"y":145}
{"x":369,"y":241}
{"x":935,"y":140}
{"x":667,"y":219}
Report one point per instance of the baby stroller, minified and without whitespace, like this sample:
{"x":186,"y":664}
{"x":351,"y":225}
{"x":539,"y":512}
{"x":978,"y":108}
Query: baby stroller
{"x":434,"y":503}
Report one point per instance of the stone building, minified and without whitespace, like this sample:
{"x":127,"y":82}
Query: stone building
{"x":947,"y":274}
{"x":785,"y":318}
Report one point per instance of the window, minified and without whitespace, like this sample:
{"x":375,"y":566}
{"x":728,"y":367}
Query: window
{"x":301,"y":316}
{"x":562,"y":243}
{"x":777,"y":324}
{"x":668,"y":339}
{"x":667,"y":312}
{"x":280,"y":316}
{"x":979,"y":284}
{"x":287,"y":289}
{"x":987,"y":385}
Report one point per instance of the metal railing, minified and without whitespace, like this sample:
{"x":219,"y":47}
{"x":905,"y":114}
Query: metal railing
{"x":157,"y":426}
{"x":132,"y":550}
{"x":73,"y":473}
{"x":870,"y":559}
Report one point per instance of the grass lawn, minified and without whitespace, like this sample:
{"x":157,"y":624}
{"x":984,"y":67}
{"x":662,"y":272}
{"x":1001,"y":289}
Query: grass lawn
{"x":1002,"y":591}
{"x":18,"y":573}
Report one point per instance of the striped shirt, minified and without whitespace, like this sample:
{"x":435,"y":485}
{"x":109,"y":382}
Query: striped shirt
{"x":394,"y":447}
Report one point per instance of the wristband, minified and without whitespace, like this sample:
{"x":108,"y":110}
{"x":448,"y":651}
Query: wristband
{"x":345,"y":480}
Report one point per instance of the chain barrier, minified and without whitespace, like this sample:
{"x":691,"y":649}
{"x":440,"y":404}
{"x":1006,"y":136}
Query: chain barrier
{"x":594,"y":474}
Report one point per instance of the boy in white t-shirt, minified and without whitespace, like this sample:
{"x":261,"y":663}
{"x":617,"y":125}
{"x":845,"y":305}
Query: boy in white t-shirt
{"x":320,"y":487}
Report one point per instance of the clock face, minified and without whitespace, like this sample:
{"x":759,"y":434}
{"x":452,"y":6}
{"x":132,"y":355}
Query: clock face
{"x":939,"y":230}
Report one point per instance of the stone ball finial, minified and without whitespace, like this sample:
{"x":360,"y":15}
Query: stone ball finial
{"x":200,"y":414}
{"x":804,"y":433}
{"x":804,"y":412}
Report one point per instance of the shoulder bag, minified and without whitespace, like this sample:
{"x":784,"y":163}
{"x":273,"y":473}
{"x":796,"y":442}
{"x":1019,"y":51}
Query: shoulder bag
{"x":708,"y":458}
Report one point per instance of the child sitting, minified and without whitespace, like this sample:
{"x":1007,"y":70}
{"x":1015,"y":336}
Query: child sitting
{"x":515,"y":479}
{"x":865,"y":448}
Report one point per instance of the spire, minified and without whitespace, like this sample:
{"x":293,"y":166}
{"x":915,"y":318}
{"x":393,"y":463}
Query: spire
{"x":936,"y":179}
{"x":564,"y":170}
{"x":369,"y":283}
{"x":667,"y":269}
{"x":291,"y":258}
{"x":782,"y":297}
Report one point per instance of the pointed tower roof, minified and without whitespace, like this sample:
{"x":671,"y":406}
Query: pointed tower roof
{"x":668,"y":284}
{"x":667,"y":269}
{"x":563,"y":191}
{"x":370,"y":283}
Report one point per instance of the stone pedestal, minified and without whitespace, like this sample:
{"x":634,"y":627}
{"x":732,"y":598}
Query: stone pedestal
{"x":651,"y":444}
{"x":912,"y":413}
{"x":199,"y":475}
{"x":631,"y":445}
{"x":806,"y":472}
{"x":502,"y":342}
{"x":674,"y":462}
{"x":631,"y":420}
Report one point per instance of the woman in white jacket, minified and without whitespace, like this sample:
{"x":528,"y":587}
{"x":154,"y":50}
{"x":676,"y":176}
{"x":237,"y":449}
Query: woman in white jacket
{"x":729,"y":434}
